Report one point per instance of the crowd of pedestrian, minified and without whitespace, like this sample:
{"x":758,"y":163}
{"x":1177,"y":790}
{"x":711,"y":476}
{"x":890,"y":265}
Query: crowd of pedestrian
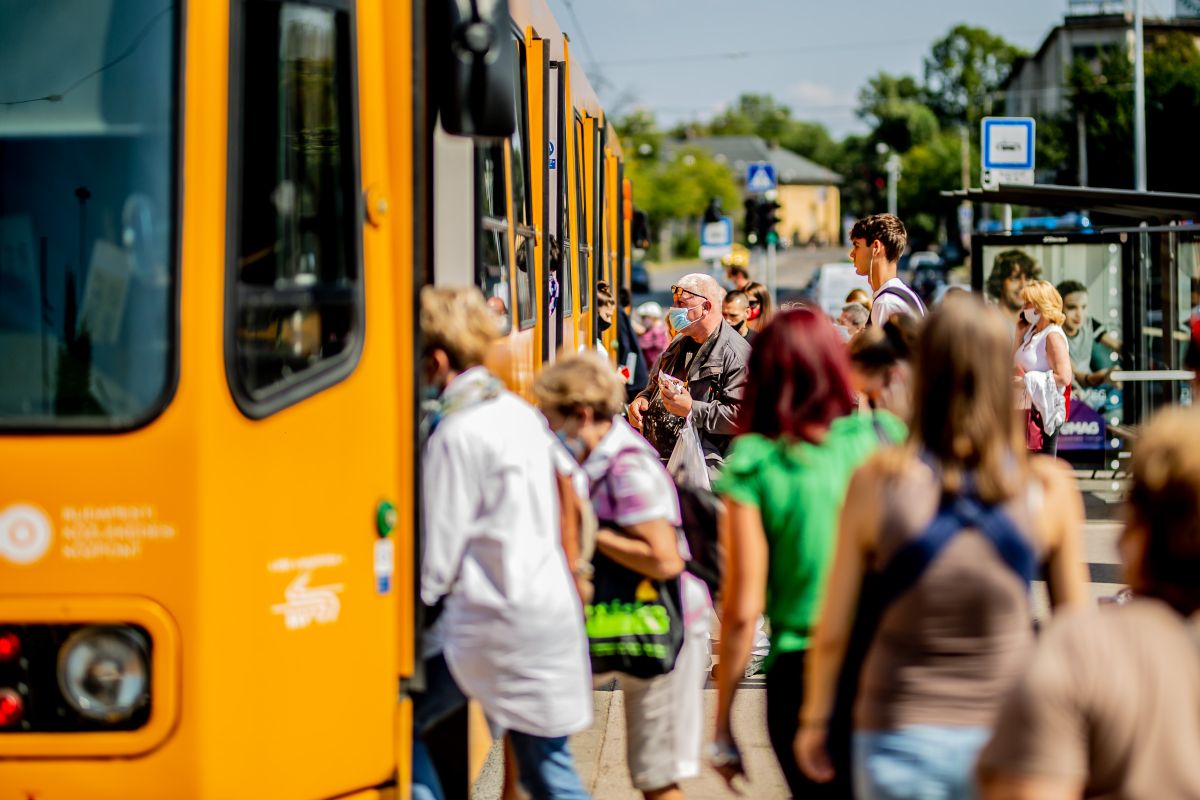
{"x":880,"y":488}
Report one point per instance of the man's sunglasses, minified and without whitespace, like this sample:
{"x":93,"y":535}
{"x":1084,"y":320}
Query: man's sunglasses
{"x":678,"y":290}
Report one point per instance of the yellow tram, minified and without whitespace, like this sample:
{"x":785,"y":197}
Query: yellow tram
{"x":214,"y":220}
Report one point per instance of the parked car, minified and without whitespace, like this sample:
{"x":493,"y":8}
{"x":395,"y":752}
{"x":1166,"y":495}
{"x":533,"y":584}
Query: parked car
{"x":831,"y":283}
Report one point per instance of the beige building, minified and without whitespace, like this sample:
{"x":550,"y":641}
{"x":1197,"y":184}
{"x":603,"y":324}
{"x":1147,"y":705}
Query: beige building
{"x":808,"y":195}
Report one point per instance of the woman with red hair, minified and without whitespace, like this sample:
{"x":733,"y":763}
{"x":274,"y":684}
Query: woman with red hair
{"x":783,"y":484}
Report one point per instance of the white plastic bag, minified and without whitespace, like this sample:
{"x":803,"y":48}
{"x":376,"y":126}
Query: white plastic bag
{"x":686,"y":464}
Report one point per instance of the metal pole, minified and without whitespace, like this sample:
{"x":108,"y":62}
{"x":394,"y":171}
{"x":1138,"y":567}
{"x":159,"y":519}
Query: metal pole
{"x":1007,"y":217}
{"x":771,"y":288}
{"x":1081,"y":139}
{"x":1139,"y":101}
{"x":893,"y":171}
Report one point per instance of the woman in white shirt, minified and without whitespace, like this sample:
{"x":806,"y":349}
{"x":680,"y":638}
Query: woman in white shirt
{"x":1042,"y":362}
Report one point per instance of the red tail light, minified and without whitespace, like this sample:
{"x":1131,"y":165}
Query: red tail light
{"x":10,"y":647}
{"x":12,"y":708}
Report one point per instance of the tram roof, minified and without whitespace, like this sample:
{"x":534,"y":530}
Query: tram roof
{"x":1150,"y":206}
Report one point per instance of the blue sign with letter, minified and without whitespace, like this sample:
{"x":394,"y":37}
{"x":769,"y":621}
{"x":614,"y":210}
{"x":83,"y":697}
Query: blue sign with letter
{"x":760,"y":177}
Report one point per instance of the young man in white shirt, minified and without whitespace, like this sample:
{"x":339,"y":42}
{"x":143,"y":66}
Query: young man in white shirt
{"x":511,"y":633}
{"x":877,"y":242}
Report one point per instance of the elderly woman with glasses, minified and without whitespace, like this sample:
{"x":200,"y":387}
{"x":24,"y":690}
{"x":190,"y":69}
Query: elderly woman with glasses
{"x":701,"y":374}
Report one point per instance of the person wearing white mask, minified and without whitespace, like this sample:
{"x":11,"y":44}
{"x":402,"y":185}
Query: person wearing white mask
{"x":701,"y":374}
{"x":1042,"y":364}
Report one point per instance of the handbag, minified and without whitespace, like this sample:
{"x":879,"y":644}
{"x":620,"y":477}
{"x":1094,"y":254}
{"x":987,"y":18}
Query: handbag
{"x":634,"y":623}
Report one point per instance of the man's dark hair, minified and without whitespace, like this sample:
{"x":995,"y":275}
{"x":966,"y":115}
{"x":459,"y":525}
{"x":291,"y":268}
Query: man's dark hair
{"x":1008,"y":264}
{"x":1070,"y":287}
{"x":887,"y":229}
{"x":737,"y":269}
{"x":603,"y":292}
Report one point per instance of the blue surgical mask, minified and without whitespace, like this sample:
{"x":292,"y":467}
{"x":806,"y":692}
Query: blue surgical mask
{"x":575,"y":446}
{"x":679,"y":318}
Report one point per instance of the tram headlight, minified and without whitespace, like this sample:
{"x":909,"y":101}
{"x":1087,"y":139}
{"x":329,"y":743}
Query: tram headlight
{"x":104,"y":672}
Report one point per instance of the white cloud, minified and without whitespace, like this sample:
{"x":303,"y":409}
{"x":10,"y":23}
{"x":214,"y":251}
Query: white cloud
{"x":808,"y":93}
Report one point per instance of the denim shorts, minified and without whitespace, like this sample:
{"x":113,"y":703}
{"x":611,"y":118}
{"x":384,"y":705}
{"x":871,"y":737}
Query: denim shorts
{"x":917,"y":762}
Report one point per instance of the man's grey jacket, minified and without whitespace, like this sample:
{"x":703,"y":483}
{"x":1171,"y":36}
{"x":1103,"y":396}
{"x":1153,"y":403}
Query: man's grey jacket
{"x":716,"y":380}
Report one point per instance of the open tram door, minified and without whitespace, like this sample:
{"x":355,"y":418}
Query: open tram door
{"x":1139,"y":279}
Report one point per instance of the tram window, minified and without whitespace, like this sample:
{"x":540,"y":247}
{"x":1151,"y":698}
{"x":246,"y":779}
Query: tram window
{"x":88,"y":203}
{"x":583,"y":220}
{"x":296,"y":320}
{"x":492,"y":265}
{"x":522,"y":213}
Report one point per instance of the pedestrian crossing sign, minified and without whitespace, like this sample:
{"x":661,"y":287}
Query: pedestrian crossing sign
{"x":760,"y":177}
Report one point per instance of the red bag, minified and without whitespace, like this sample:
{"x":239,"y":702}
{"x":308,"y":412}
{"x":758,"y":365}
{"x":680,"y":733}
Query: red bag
{"x":1034,"y":436}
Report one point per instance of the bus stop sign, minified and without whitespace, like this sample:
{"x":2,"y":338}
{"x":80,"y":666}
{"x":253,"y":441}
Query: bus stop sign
{"x":1007,"y":148}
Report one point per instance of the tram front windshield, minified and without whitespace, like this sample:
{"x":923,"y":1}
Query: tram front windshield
{"x":87,"y":211}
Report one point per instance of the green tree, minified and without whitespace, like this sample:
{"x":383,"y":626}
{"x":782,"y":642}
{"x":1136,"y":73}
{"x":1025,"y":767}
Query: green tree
{"x":753,"y":115}
{"x":639,"y":134}
{"x":927,"y":170}
{"x":679,"y":188}
{"x":963,"y":72}
{"x":811,"y":140}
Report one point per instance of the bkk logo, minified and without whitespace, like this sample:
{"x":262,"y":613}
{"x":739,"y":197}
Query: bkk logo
{"x":25,"y":533}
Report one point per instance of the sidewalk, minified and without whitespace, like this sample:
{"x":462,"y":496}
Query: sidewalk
{"x":600,"y":752}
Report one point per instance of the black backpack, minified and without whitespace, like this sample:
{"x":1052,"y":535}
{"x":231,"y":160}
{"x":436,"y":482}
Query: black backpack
{"x":700,"y":512}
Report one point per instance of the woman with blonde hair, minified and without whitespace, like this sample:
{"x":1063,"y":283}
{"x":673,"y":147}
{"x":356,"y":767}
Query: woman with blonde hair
{"x":1042,"y":365}
{"x":947,"y":532}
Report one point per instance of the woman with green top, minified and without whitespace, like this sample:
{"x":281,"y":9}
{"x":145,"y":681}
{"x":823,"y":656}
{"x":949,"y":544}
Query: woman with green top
{"x":783,"y":484}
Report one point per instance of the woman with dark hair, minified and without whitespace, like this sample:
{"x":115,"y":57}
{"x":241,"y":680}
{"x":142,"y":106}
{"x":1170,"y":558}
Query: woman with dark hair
{"x":760,"y":308}
{"x":783,"y":484}
{"x":879,"y":363}
{"x":948,"y":530}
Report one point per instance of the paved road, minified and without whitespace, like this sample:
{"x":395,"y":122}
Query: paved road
{"x":793,"y":268}
{"x":600,"y":752}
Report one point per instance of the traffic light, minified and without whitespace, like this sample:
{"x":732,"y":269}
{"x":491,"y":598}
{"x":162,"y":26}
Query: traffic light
{"x":761,"y":219}
{"x":751,"y":226}
{"x":767,"y":220}
{"x":713,"y":212}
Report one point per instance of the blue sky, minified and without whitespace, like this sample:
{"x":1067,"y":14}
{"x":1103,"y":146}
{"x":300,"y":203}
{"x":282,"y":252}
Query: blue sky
{"x":673,"y":56}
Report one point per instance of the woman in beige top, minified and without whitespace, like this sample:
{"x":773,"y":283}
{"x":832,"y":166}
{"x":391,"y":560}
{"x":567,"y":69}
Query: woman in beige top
{"x":952,"y":637}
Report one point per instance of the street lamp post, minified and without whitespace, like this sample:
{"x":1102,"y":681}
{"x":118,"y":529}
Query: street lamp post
{"x":1139,"y":100}
{"x":892,"y":165}
{"x":893,"y":171}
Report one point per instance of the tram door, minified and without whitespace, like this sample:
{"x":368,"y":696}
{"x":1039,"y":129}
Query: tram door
{"x":301,"y":469}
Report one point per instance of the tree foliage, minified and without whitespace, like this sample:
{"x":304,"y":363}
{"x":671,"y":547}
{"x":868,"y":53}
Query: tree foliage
{"x":964,"y":70}
{"x":1102,"y":94}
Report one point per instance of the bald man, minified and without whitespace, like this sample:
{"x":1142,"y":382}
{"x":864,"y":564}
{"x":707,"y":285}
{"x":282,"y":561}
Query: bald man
{"x":708,"y":360}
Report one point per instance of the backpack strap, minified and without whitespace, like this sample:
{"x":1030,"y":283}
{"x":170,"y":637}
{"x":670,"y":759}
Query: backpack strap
{"x":909,"y":563}
{"x":909,"y":297}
